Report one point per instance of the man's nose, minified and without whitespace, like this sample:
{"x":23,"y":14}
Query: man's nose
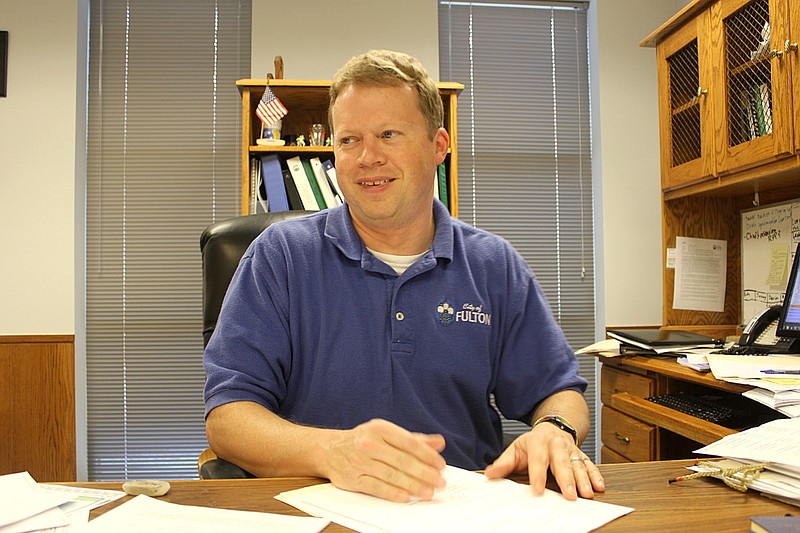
{"x":371,"y":152}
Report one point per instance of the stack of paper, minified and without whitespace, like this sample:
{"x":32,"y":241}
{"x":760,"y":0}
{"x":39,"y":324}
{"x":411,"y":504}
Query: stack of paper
{"x":775,"y":443}
{"x":776,"y":378}
{"x":27,"y":506}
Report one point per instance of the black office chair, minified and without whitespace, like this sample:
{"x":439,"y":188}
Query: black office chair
{"x":222,"y":245}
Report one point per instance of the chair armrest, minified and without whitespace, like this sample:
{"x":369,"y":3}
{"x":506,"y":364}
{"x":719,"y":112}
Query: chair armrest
{"x":210,"y":466}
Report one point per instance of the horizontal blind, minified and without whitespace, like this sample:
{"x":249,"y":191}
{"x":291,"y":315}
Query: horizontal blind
{"x":524,"y":158}
{"x":163,"y":163}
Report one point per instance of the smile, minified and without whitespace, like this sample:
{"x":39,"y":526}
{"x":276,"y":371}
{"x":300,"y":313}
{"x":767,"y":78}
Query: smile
{"x":373,"y":183}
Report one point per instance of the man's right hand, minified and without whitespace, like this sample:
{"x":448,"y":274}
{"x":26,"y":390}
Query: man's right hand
{"x":385,"y":460}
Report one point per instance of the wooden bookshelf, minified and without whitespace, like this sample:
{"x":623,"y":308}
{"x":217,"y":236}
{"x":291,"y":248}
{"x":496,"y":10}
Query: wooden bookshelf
{"x":307,"y":103}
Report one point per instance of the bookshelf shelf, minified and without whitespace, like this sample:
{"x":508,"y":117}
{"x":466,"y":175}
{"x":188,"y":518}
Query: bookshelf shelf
{"x":307,"y":102}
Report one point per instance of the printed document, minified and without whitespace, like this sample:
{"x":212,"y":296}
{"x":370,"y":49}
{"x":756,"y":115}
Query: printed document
{"x":700,"y":274}
{"x":470,"y":503}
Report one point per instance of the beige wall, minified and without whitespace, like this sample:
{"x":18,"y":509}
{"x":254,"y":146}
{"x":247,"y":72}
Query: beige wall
{"x":339,"y":30}
{"x":37,"y":168}
{"x":629,"y":158}
{"x":38,"y":139}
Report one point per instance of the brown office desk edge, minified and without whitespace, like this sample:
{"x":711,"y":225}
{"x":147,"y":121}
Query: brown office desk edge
{"x":696,"y":505}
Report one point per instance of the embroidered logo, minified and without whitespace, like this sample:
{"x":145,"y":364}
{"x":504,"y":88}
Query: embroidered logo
{"x":445,"y":312}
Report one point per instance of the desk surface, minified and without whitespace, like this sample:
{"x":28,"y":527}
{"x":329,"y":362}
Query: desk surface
{"x":696,"y":505}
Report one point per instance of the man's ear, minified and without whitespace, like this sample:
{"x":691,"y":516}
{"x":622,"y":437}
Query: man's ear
{"x":442,"y":141}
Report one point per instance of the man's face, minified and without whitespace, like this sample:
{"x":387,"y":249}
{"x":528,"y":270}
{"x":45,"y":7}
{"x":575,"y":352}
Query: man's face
{"x":385,"y":162}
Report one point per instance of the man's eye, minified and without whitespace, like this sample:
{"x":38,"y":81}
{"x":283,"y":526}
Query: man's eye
{"x":345,"y":140}
{"x":389,"y":134}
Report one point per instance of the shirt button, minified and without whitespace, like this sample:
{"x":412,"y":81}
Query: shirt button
{"x":400,"y":316}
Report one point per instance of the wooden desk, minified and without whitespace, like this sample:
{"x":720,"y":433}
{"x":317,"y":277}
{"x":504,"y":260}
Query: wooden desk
{"x":634,"y":429}
{"x":697,"y":505}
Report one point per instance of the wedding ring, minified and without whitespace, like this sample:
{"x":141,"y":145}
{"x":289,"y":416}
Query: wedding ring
{"x":575,"y":459}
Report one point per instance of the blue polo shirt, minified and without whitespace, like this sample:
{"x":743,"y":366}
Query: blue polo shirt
{"x":319,"y":331}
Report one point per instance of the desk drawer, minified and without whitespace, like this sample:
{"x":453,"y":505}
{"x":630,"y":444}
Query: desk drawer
{"x":613,"y":381}
{"x":628,"y":436}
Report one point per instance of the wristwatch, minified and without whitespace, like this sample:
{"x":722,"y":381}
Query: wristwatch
{"x":559,"y":422}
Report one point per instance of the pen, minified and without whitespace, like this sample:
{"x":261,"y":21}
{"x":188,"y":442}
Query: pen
{"x":786,"y":371}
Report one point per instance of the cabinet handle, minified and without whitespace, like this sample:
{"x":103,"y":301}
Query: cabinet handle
{"x":789,"y":47}
{"x":701,"y":92}
{"x":776,"y":53}
{"x":620,"y":437}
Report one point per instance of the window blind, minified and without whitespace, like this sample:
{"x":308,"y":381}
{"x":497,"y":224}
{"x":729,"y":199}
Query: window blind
{"x":524,"y":163}
{"x":163,"y":162}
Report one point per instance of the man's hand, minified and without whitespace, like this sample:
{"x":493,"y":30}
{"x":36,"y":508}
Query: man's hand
{"x":385,"y":460}
{"x":547,"y":446}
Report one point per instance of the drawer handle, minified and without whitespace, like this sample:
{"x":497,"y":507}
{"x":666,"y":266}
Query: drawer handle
{"x":620,"y":437}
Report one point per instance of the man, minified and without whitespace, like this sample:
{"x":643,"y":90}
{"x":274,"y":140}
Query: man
{"x":361,"y":344}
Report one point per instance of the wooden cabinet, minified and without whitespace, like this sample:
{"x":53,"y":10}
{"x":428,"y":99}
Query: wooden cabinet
{"x":307,"y":103}
{"x":727,"y":101}
{"x":730,"y":129}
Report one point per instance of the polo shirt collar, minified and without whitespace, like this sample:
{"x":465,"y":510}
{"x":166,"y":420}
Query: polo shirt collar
{"x":341,"y":232}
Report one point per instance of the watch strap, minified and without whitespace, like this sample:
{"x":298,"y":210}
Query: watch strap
{"x":560,"y":422}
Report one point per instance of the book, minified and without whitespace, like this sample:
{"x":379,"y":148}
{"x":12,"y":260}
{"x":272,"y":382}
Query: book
{"x":660,"y":340}
{"x":295,"y":203}
{"x":272,"y":177}
{"x":255,"y":183}
{"x":312,"y":180}
{"x":442,"y":184}
{"x":764,"y":103}
{"x":775,"y":524}
{"x":301,"y":182}
{"x":748,"y":115}
{"x":322,"y":182}
{"x":330,"y":171}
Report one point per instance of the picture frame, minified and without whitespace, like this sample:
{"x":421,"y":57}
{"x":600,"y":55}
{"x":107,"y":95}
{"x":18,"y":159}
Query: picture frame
{"x":3,"y":62}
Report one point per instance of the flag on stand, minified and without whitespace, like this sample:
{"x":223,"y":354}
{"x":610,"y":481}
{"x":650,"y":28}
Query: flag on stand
{"x":270,"y":109}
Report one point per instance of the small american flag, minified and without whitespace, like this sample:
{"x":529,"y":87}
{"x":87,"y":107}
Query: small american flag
{"x":270,"y":109}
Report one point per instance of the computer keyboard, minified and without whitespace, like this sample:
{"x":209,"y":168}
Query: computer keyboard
{"x":744,"y":350}
{"x":715,"y":409}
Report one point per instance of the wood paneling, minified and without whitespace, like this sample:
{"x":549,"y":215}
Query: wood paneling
{"x":37,"y":406}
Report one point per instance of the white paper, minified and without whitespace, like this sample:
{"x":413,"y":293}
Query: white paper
{"x":700,"y":274}
{"x":752,"y":366}
{"x":82,"y":498}
{"x":144,"y":513}
{"x":21,"y":498}
{"x":775,"y":442}
{"x":470,"y":503}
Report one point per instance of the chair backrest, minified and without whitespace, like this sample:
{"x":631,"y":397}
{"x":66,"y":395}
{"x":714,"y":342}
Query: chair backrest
{"x":222,"y":245}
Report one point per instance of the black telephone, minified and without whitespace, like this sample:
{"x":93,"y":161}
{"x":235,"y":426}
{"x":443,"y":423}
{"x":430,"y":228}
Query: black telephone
{"x":761,"y":333}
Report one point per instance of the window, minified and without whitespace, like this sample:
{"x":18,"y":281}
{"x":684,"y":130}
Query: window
{"x":524,"y":165}
{"x":163,"y":163}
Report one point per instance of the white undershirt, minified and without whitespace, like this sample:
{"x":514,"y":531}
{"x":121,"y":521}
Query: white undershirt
{"x":399,"y":263}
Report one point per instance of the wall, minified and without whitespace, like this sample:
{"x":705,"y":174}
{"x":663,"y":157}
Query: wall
{"x":628,"y":158}
{"x":37,"y":168}
{"x":314,"y":47}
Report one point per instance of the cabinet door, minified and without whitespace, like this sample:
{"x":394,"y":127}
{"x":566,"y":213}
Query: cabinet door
{"x":684,"y":74}
{"x":755,"y":119}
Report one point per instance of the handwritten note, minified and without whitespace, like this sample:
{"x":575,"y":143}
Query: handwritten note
{"x":769,"y":235}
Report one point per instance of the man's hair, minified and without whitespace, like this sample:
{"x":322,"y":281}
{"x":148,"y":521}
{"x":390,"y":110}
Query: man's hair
{"x":384,"y":68}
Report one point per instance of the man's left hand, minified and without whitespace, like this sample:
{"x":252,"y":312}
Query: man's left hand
{"x":548,"y":447}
